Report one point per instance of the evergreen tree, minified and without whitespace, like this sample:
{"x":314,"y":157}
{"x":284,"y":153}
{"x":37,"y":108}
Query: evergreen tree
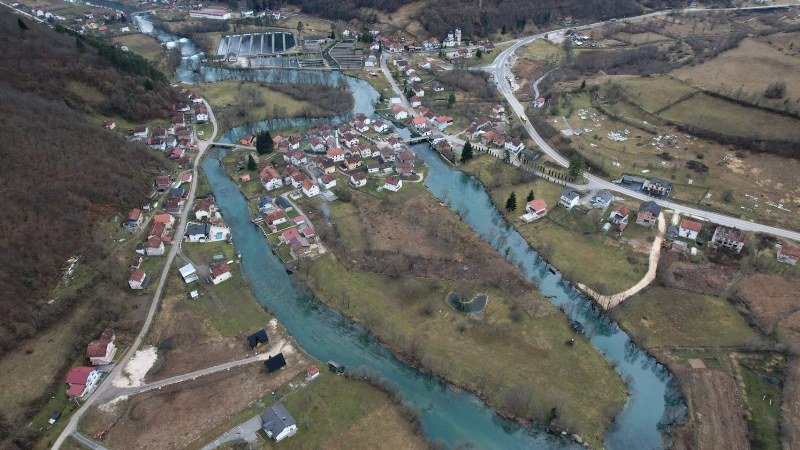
{"x":251,"y":163}
{"x":22,"y":25}
{"x":511,"y":203}
{"x":299,"y":26}
{"x":264,"y":144}
{"x":576,"y":164}
{"x":530,"y":195}
{"x":503,"y":30}
{"x":466,"y":152}
{"x":478,"y":54}
{"x":451,"y":100}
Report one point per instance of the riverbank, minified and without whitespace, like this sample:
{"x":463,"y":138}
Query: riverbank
{"x":410,"y":316}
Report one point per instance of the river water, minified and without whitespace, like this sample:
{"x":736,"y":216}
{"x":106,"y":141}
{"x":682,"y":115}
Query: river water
{"x":457,"y":418}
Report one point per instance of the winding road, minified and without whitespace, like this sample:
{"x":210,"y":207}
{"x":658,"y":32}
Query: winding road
{"x":119,"y":368}
{"x":501,"y":68}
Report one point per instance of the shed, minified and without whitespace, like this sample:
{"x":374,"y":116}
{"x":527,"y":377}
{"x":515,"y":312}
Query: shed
{"x":336,"y":367}
{"x":275,"y":362}
{"x":259,"y":337}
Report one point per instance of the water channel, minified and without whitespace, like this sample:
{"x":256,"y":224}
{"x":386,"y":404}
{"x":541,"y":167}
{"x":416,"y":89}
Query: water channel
{"x":458,"y":418}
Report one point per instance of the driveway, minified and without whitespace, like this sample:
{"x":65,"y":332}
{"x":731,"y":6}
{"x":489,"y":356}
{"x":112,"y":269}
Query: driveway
{"x":246,"y":431}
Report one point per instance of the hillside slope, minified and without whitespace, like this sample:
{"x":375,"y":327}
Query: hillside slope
{"x":62,"y":177}
{"x":482,"y":18}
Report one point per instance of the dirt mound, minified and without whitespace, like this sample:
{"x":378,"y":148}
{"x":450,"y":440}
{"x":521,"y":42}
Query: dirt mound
{"x":705,"y":278}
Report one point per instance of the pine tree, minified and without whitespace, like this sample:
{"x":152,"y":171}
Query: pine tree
{"x":466,"y":152}
{"x":511,"y":203}
{"x":530,"y":196}
{"x":478,"y":54}
{"x":22,"y":25}
{"x":451,"y":100}
{"x":251,"y":163}
{"x":264,"y":144}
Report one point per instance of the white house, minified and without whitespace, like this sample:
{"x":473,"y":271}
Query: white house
{"x":399,"y":112}
{"x":535,"y":209}
{"x":380,"y":127}
{"x":138,"y":280}
{"x":198,"y":232}
{"x":154,"y":246}
{"x":270,"y":179}
{"x":101,"y":351}
{"x":328,"y":181}
{"x":220,"y":272}
{"x":310,"y":189}
{"x":393,"y":184}
{"x":689,"y":229}
{"x":277,"y":423}
{"x":81,"y":381}
{"x":394,"y":100}
{"x":569,"y":198}
{"x":539,"y":102}
{"x":358,"y":179}
{"x":370,"y":61}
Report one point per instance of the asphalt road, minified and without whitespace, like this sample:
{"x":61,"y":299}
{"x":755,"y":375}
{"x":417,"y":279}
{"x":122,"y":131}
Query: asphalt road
{"x":72,"y":425}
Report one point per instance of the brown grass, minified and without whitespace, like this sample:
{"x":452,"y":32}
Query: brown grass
{"x":770,"y":297}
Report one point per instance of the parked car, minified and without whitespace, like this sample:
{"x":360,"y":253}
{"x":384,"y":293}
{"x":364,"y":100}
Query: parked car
{"x":54,"y":417}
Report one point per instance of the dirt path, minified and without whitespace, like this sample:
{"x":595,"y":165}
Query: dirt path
{"x":610,"y":301}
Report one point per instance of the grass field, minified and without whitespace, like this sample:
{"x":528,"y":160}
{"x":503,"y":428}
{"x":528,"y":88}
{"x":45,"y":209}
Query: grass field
{"x":578,"y":250}
{"x":666,"y":317}
{"x":238,"y":102}
{"x":542,"y":50}
{"x":528,"y":352}
{"x":337,"y":413}
{"x":203,"y":252}
{"x":751,"y":67}
{"x":763,"y":393}
{"x":731,"y":119}
{"x":654,"y":93}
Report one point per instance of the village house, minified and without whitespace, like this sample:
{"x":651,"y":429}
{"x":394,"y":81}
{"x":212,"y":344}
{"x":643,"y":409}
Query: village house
{"x":418,"y":90}
{"x":373,"y":168}
{"x":109,"y":124}
{"x":619,"y":217}
{"x":601,"y":199}
{"x":443,"y":122}
{"x":327,"y":165}
{"x":514,"y":145}
{"x":352,"y":162}
{"x":265,"y":204}
{"x":299,"y":247}
{"x":380,"y":127}
{"x":101,"y":351}
{"x":788,"y":254}
{"x":140,"y":131}
{"x":270,"y":179}
{"x":81,"y":381}
{"x":219,"y":272}
{"x":201,"y":113}
{"x":569,"y":198}
{"x":658,"y":187}
{"x":310,"y":189}
{"x":336,"y":155}
{"x":729,"y":238}
{"x":539,"y":102}
{"x":154,"y":246}
{"x":689,"y":229}
{"x":534,"y":209}
{"x":163,"y":182}
{"x":358,"y":179}
{"x":275,"y":218}
{"x":371,"y":61}
{"x":648,"y":214}
{"x":204,"y":208}
{"x":198,"y":232}
{"x":138,"y":280}
{"x":415,"y":102}
{"x":327,"y":181}
{"x":133,"y":220}
{"x":277,"y":423}
{"x":393,"y":183}
{"x":399,"y":113}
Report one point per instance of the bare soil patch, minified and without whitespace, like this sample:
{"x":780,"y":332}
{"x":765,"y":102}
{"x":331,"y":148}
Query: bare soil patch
{"x":718,"y":416}
{"x":180,"y":414}
{"x":770,"y":297}
{"x":706,"y":277}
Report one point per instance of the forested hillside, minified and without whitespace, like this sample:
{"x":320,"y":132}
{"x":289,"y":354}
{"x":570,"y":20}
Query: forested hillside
{"x":83,"y":72}
{"x":62,"y":175}
{"x":486,"y":17}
